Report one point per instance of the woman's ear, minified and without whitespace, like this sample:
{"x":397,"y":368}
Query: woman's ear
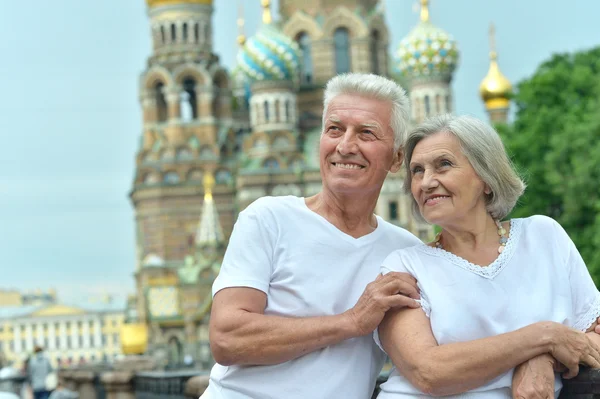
{"x":487,"y":190}
{"x":397,"y":161}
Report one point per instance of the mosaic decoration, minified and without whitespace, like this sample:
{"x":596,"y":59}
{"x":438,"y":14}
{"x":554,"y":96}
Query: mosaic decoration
{"x":163,"y":302}
{"x":270,"y":55}
{"x":427,"y":51}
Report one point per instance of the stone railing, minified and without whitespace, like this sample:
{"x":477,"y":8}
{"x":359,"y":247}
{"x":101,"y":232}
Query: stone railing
{"x":135,"y":379}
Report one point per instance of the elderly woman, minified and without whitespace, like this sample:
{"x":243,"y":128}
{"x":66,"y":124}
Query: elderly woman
{"x":494,"y":293}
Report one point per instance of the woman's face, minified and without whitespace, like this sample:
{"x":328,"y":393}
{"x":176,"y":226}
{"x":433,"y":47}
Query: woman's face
{"x":443,"y":183}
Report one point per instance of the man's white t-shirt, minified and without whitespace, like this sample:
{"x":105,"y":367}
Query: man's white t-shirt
{"x":540,"y":276}
{"x":307,"y":267}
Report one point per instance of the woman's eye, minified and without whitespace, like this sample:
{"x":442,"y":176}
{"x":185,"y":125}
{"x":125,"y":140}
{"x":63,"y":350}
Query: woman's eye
{"x":445,"y":162}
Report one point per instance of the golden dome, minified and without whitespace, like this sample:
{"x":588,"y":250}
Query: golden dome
{"x":134,"y":338}
{"x":156,"y":3}
{"x":495,"y":88}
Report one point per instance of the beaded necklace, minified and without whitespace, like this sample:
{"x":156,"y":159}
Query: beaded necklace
{"x":501,"y":233}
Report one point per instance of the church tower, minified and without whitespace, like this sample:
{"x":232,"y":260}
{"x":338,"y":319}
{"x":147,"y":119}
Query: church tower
{"x":186,"y":134}
{"x":427,"y":58}
{"x":333,"y":37}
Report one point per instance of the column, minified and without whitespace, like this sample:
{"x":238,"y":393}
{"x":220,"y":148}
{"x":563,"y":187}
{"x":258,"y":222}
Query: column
{"x":74,"y":334}
{"x":63,"y":334}
{"x":17,"y":338}
{"x":51,"y":335}
{"x":28,"y":337}
{"x":172,"y":98}
{"x":86,"y":333}
{"x":97,"y":334}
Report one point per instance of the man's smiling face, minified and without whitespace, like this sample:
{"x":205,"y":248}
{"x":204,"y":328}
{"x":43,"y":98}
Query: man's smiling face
{"x":357,"y":145}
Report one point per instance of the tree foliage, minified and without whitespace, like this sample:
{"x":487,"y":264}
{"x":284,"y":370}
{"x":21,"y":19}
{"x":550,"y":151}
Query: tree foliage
{"x":555,"y":144}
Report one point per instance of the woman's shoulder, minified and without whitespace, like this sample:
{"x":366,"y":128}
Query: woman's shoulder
{"x":540,"y":224}
{"x":403,"y":259}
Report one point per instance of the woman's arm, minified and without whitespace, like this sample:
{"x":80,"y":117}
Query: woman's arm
{"x":454,"y":368}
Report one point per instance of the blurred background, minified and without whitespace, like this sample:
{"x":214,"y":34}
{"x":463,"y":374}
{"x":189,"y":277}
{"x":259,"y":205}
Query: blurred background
{"x":135,"y":131}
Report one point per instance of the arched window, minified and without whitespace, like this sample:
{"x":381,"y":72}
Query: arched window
{"x":171,"y":178}
{"x":427,"y":107}
{"x":266,"y":110}
{"x":271,"y":163}
{"x":306,"y":66}
{"x":173,"y":33}
{"x":189,"y":106}
{"x":223,"y":176}
{"x":438,"y":104}
{"x":206,"y":32}
{"x":161,"y":102}
{"x":196,"y":33}
{"x":281,"y":142}
{"x":184,"y":154}
{"x":277,"y":113}
{"x":185,"y":32}
{"x":287,"y":111}
{"x":448,"y":103}
{"x":163,"y":38}
{"x":341,"y":42}
{"x":374,"y":51}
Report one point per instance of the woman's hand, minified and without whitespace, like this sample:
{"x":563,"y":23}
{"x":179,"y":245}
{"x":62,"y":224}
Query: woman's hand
{"x":534,"y":379}
{"x":572,"y":348}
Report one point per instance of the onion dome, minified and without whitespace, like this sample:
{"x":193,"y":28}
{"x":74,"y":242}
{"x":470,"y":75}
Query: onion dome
{"x":157,"y":3}
{"x":428,"y":51}
{"x":269,"y":55}
{"x":495,"y":88}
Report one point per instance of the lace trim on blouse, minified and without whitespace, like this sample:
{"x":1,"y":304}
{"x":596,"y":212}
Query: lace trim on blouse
{"x":588,"y":318}
{"x":494,"y":268}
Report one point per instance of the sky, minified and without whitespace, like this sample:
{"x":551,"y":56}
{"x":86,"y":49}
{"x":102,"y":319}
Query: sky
{"x":70,"y":118}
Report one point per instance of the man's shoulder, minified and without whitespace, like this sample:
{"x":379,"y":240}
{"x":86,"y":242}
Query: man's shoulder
{"x":274,"y":204}
{"x":401,"y":238}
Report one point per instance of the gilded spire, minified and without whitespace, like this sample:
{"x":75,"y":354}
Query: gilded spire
{"x":241,"y":39}
{"x":209,"y":230}
{"x":424,"y":10}
{"x":495,"y":87}
{"x":209,"y":184}
{"x":266,"y":5}
{"x":492,"y":35}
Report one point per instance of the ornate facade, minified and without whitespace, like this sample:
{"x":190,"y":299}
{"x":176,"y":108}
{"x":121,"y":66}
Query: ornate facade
{"x":231,"y":138}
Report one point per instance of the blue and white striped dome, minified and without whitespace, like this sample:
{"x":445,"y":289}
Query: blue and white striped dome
{"x":270,"y":55}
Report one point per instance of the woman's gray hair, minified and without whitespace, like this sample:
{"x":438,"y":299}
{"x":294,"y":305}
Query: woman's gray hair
{"x":377,"y":87}
{"x":483,"y":147}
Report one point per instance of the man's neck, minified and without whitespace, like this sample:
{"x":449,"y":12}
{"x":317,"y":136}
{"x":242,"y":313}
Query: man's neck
{"x":354,"y":216}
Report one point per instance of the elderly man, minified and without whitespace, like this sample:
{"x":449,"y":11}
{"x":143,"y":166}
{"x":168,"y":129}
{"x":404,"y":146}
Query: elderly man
{"x":299,"y":294}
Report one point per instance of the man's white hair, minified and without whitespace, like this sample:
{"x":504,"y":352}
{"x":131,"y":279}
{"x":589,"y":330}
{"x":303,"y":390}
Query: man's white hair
{"x":377,"y":87}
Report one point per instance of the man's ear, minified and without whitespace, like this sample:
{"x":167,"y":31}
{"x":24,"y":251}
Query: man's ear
{"x":397,"y":161}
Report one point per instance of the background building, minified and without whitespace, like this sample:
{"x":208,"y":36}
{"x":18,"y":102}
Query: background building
{"x":69,"y":334}
{"x":232,"y":137}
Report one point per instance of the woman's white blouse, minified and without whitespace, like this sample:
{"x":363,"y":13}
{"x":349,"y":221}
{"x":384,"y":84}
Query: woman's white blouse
{"x":539,"y":276}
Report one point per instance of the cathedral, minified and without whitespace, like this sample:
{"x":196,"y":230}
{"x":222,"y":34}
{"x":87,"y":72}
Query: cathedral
{"x":215,"y":140}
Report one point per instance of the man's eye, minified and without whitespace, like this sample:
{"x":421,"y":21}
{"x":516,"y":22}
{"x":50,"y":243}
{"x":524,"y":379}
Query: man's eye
{"x":416,"y":169}
{"x":367,"y":131}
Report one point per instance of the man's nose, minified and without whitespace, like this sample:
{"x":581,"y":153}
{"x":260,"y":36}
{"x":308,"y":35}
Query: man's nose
{"x":348,"y":143}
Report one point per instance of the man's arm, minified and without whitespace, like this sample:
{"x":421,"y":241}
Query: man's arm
{"x":241,"y":334}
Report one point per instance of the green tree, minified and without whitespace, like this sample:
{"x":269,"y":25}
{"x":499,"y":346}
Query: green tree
{"x":555,"y":144}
